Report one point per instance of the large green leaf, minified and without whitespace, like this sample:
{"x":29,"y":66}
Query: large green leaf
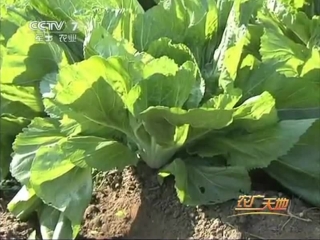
{"x":290,"y":92}
{"x":40,"y":132}
{"x":96,"y":96}
{"x":10,"y":126}
{"x":55,"y":110}
{"x":49,"y":171}
{"x":19,"y":104}
{"x":257,"y":149}
{"x":28,"y":61}
{"x":299,"y":169}
{"x":5,"y":158}
{"x":47,"y":155}
{"x":256,"y":113}
{"x":199,"y":183}
{"x":297,"y":24}
{"x":22,"y":101}
{"x":7,"y":30}
{"x":98,"y":153}
{"x":22,"y":65}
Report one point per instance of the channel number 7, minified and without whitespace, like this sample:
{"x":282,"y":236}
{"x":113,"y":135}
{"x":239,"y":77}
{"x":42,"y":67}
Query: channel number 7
{"x":74,"y":26}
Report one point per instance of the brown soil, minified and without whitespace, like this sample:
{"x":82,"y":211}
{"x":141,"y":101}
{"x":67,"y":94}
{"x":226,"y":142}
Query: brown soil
{"x":132,"y":204}
{"x":10,"y":227}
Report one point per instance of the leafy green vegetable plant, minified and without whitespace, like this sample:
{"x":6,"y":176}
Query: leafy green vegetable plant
{"x":296,"y":25}
{"x":196,"y":94}
{"x":20,"y":101}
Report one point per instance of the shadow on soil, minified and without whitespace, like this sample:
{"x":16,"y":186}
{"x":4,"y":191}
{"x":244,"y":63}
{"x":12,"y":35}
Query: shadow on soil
{"x":160,"y":215}
{"x":134,"y":205}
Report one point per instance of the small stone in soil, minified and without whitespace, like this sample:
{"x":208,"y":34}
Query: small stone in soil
{"x":97,"y":222}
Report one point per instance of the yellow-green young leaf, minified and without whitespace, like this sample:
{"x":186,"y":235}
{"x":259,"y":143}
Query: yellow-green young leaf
{"x":28,"y":60}
{"x":198,"y":183}
{"x":225,"y":101}
{"x":24,"y":203}
{"x":119,"y":23}
{"x":180,"y":53}
{"x":257,"y":149}
{"x":304,"y":28}
{"x":121,"y":214}
{"x":97,"y":153}
{"x":256,"y":113}
{"x":161,"y":90}
{"x":208,"y":118}
{"x":164,"y":133}
{"x":298,"y":3}
{"x":25,"y":101}
{"x":292,"y":59}
{"x":163,"y":65}
{"x":12,"y":17}
{"x":81,"y":10}
{"x":101,"y":42}
{"x":228,"y":54}
{"x":232,"y":60}
{"x":311,"y":69}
